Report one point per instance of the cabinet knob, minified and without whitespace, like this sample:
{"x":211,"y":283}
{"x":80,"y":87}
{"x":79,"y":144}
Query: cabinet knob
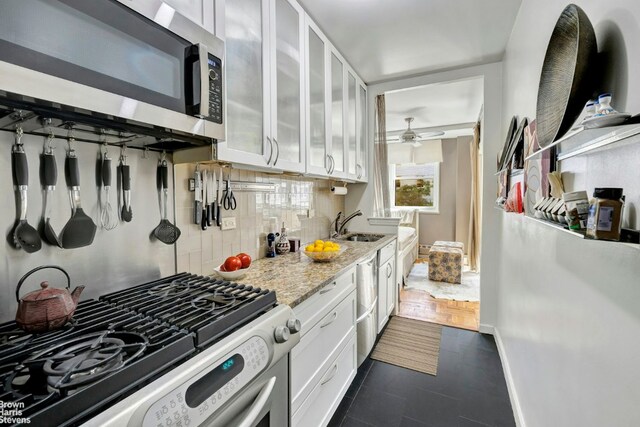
{"x":281,"y":334}
{"x":294,"y":325}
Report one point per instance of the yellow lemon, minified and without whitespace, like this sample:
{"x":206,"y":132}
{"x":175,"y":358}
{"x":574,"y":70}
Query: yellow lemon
{"x":328,"y":249}
{"x":319,"y":242}
{"x":310,"y":248}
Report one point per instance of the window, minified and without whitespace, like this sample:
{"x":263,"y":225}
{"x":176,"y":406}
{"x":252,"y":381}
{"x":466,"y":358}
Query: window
{"x":416,"y":186}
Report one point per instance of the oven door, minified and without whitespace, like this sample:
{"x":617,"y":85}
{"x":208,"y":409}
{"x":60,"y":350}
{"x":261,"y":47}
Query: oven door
{"x":264,"y":403}
{"x":150,"y":65}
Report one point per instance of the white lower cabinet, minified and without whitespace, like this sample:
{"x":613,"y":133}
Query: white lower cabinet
{"x":386,"y":283}
{"x":319,"y":406}
{"x":323,"y":364}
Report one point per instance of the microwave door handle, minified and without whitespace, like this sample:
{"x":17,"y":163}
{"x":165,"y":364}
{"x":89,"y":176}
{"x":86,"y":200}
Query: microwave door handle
{"x":258,"y":404}
{"x":203,"y":55}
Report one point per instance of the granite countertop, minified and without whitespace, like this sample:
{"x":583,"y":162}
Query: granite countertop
{"x":295,"y":277}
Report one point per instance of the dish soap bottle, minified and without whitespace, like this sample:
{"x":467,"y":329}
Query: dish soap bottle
{"x":282,"y":247}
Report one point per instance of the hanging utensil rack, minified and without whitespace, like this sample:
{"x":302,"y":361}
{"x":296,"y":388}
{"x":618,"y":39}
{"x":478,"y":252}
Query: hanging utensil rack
{"x":94,"y":130}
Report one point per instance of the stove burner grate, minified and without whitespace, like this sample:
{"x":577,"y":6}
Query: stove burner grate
{"x":62,"y":376}
{"x":211,"y":308}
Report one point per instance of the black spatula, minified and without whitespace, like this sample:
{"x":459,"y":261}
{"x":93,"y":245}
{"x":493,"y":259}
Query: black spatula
{"x":80,"y":230}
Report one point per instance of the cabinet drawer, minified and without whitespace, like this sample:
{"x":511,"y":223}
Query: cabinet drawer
{"x":387,"y":252}
{"x":319,"y":406}
{"x":318,"y":305}
{"x":311,"y":357}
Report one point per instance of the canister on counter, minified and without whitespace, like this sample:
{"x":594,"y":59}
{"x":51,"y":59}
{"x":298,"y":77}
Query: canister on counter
{"x":577,"y":209}
{"x":605,"y":214}
{"x":294,"y":244}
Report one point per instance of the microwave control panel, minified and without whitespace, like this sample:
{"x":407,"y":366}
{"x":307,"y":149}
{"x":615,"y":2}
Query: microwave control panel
{"x":215,"y":89}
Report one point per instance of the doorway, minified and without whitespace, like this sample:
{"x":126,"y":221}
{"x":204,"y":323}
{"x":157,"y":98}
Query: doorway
{"x":430,"y":136}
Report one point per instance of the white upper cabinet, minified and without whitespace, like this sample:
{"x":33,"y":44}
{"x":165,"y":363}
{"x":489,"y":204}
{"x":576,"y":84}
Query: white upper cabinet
{"x":292,"y":102}
{"x":247,"y":83}
{"x":199,"y":11}
{"x":287,"y":84}
{"x":352,"y":125}
{"x":338,"y":151}
{"x":317,"y":107}
{"x":264,"y":85}
{"x":362,"y":158}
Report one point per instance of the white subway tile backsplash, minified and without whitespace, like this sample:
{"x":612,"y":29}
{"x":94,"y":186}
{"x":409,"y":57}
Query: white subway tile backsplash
{"x":256,"y":215}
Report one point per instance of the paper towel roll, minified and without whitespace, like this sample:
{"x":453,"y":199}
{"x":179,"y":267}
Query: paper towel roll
{"x":339,"y":191}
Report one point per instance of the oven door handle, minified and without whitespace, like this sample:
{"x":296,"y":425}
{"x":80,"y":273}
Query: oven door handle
{"x":258,"y":405}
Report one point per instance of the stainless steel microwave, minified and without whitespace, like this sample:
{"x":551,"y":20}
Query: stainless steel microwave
{"x":137,"y":61}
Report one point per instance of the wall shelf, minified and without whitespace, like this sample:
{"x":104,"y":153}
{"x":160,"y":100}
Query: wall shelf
{"x":582,"y":141}
{"x":560,"y":227}
{"x":578,"y":234}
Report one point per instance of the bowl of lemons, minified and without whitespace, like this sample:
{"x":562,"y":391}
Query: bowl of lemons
{"x":323,"y":251}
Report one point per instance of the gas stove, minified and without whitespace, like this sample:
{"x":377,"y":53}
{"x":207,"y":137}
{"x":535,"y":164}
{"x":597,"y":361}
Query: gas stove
{"x":125,"y":342}
{"x":207,"y":307}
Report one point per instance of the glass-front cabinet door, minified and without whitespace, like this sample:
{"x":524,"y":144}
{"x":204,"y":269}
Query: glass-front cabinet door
{"x":337,"y":154}
{"x":287,"y":86}
{"x":247,"y":84}
{"x":317,"y":108}
{"x":352,"y":125}
{"x":362,"y":160}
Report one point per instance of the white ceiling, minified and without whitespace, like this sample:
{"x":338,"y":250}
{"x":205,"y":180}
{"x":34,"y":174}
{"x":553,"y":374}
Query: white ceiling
{"x":385,"y":39}
{"x":452,"y":107}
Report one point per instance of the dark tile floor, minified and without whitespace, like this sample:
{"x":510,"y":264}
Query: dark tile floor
{"x":469,"y":390}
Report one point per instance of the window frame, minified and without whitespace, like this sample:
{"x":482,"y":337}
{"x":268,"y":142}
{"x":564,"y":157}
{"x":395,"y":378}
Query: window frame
{"x":434,"y":210}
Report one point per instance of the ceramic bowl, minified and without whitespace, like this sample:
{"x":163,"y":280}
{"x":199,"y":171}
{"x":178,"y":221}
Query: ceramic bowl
{"x":232,"y":275}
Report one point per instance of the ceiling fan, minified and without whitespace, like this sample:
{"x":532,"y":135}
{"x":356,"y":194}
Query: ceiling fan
{"x":411,"y":137}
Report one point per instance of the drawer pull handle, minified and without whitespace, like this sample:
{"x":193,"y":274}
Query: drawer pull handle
{"x":334,"y":316}
{"x":329,"y":288}
{"x":334,"y":371}
{"x":389,"y":270}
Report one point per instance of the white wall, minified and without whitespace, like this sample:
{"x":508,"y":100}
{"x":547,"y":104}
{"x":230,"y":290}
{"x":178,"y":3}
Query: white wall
{"x":361,"y":196}
{"x":568,"y":314}
{"x":452,"y":221}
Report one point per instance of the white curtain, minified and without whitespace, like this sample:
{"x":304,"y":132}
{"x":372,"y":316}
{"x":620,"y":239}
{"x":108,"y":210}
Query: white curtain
{"x":382,"y":198}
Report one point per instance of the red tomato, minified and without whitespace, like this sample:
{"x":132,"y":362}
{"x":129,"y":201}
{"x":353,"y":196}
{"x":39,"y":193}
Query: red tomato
{"x":222,"y":268}
{"x":245,"y":258}
{"x":232,"y":263}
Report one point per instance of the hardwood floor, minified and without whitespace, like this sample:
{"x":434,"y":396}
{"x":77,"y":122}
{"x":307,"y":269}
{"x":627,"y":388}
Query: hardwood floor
{"x":420,"y":305}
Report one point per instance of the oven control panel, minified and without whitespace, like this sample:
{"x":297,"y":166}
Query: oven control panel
{"x":199,"y":398}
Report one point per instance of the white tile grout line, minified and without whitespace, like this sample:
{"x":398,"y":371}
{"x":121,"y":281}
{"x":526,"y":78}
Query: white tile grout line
{"x":511,"y":387}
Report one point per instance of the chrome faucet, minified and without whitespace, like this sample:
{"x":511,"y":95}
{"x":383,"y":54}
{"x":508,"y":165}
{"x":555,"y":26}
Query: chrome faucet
{"x":339,"y":225}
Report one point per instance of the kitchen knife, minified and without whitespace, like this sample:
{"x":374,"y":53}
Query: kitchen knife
{"x":197,"y":208}
{"x":205,"y":204}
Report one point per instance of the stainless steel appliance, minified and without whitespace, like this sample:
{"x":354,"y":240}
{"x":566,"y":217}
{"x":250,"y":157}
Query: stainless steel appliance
{"x":139,"y":64}
{"x":366,"y":321}
{"x":184,"y":350}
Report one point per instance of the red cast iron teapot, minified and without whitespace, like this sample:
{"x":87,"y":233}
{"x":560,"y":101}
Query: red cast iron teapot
{"x":47,"y":308}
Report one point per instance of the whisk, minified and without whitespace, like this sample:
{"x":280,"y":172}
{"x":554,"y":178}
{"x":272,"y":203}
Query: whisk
{"x":108,"y":217}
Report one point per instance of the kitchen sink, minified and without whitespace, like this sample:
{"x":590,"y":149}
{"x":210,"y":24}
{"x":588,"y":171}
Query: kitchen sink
{"x":363,"y":237}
